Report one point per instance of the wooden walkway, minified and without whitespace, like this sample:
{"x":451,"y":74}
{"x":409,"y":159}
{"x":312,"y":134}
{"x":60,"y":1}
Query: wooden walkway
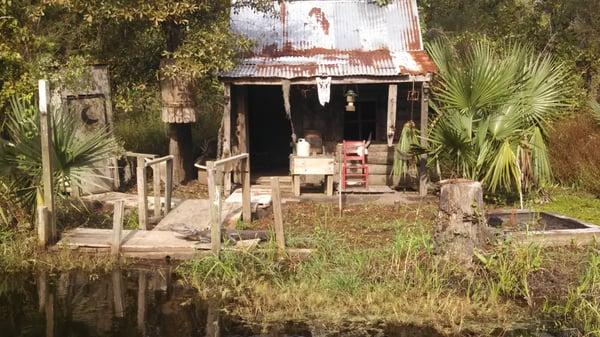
{"x":135,"y":243}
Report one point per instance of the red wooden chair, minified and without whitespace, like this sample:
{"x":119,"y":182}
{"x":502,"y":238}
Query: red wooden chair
{"x":355,"y":170}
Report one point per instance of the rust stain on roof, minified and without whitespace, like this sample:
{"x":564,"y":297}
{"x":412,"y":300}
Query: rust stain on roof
{"x":332,"y":38}
{"x":318,"y":14}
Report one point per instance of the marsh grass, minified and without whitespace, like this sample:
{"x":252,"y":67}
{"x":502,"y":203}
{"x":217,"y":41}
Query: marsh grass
{"x":401,"y":280}
{"x":581,"y":308}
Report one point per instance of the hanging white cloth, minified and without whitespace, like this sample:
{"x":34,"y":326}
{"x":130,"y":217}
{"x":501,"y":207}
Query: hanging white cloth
{"x":324,"y":89}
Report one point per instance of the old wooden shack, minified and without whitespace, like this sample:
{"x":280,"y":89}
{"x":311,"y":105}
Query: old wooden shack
{"x":372,"y":53}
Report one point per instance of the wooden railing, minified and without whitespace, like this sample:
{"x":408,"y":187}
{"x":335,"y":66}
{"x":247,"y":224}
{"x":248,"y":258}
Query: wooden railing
{"x":145,"y":161}
{"x":215,"y":194}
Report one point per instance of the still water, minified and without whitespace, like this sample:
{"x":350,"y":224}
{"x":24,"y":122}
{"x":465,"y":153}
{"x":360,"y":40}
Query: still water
{"x":138,"y":302}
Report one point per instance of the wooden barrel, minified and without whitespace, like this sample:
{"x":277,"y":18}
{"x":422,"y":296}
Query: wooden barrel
{"x":176,"y":94}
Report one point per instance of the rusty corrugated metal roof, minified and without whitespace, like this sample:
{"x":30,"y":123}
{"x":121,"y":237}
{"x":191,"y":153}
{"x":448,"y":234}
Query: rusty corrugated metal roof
{"x":332,"y":38}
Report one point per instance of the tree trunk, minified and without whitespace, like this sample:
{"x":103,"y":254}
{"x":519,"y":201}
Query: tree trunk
{"x":180,"y":146}
{"x":460,"y":226}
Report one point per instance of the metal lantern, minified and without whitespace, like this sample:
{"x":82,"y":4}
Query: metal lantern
{"x":350,"y":99}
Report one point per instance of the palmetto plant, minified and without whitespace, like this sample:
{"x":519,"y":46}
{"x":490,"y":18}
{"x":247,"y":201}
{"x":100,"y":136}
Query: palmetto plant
{"x":493,"y":106}
{"x":76,"y":156}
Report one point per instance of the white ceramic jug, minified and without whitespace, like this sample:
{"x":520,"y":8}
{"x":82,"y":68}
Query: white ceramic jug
{"x":302,"y":148}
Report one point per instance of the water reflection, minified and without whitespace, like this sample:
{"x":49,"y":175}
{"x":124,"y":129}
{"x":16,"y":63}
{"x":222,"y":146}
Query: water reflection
{"x":137,"y":302}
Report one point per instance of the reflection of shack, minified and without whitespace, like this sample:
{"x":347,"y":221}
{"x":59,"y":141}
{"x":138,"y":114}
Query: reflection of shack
{"x":90,"y":102}
{"x":308,"y":60}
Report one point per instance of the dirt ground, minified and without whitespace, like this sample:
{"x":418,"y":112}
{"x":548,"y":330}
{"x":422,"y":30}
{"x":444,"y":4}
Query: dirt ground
{"x":361,"y":225}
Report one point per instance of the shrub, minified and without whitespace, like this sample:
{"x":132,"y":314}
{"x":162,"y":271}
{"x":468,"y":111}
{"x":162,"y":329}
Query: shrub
{"x":574,"y":155}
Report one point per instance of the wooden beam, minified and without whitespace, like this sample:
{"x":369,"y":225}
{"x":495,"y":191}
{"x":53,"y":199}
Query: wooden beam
{"x":47,"y":150}
{"x":156,"y":189}
{"x":44,"y":228}
{"x":391,"y":113}
{"x":142,"y":195}
{"x":246,"y":191}
{"x":227,"y":136}
{"x":423,"y":178}
{"x":168,"y":186}
{"x":242,"y":118}
{"x":118,"y":213}
{"x":278,"y":215}
{"x":214,"y":198}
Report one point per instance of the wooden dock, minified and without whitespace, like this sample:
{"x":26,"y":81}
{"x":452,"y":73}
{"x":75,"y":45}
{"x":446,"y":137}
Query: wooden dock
{"x":135,"y":243}
{"x":148,"y":244}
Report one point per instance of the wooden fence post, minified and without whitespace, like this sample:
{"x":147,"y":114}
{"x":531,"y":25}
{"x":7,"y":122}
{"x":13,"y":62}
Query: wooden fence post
{"x":142,"y":195}
{"x":119,"y":209}
{"x":169,"y":186}
{"x":47,"y":150}
{"x":43,"y":225}
{"x":276,"y":195}
{"x":214,"y":198}
{"x":246,"y":192}
{"x":156,"y":189}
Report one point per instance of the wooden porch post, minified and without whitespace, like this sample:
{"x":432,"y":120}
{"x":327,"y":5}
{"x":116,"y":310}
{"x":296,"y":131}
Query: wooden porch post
{"x":240,"y":94}
{"x":391,"y":113}
{"x":227,"y":136}
{"x":423,"y":178}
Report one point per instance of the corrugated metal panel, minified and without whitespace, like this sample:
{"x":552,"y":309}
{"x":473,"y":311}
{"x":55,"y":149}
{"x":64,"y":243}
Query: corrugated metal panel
{"x":332,"y":38}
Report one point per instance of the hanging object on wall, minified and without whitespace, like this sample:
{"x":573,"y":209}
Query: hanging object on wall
{"x":324,"y":89}
{"x":350,"y":99}
{"x":413,"y":95}
{"x":285,"y":88}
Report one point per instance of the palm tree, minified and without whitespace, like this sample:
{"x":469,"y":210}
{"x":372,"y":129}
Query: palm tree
{"x":76,"y":156}
{"x":493,"y":106}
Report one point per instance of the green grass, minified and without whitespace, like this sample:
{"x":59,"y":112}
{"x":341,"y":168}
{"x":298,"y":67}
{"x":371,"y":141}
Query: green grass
{"x":576,"y":204}
{"x":399,"y":281}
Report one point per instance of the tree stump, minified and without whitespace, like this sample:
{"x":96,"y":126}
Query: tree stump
{"x":460,"y":225}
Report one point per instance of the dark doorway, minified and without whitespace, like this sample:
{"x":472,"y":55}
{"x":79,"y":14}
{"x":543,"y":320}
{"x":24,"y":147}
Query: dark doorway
{"x":270,"y":131}
{"x":359,"y":124}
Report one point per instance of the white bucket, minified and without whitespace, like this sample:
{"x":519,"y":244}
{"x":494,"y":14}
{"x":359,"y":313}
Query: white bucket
{"x":302,"y":148}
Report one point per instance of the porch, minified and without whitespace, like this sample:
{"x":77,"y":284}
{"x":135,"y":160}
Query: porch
{"x":257,"y":120}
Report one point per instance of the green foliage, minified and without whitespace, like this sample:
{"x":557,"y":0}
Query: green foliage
{"x":507,"y":270}
{"x":76,"y":156}
{"x":579,"y":205}
{"x":494,"y":106}
{"x":404,"y":158}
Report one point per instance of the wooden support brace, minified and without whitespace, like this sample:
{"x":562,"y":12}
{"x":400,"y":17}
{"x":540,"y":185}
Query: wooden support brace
{"x":214,"y":197}
{"x":246,"y":192}
{"x":391,"y":113}
{"x":142,"y":195}
{"x":227,"y":136}
{"x":119,"y":210}
{"x":168,"y":186}
{"x":277,"y":212}
{"x":44,"y":228}
{"x":156,"y":189}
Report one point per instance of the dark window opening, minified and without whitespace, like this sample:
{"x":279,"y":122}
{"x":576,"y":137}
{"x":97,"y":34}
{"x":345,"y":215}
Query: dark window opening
{"x":359,"y":124}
